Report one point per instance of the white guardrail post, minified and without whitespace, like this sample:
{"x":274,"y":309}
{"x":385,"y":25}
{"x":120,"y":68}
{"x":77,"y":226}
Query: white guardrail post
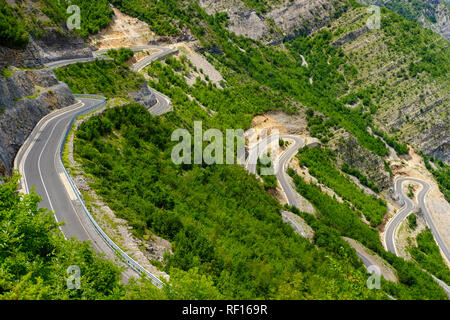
{"x":122,"y":254}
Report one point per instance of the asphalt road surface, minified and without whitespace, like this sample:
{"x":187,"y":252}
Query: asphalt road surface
{"x":100,"y":54}
{"x":280,"y":164}
{"x":39,"y":163}
{"x":406,"y":210}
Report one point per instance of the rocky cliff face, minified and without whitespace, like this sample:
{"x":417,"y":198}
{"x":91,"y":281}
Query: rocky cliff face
{"x":347,"y":149}
{"x":54,"y":46}
{"x":144,"y":96}
{"x":411,"y":107}
{"x":25,"y":97}
{"x":433,"y":14}
{"x":287,"y":19}
{"x":442,"y":24}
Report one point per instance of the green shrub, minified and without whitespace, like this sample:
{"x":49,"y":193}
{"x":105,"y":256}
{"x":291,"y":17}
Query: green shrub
{"x":13,"y":32}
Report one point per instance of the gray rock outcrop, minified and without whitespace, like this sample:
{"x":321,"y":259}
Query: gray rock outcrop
{"x":53,"y":47}
{"x":287,"y":19}
{"x":433,"y":14}
{"x":144,"y":96}
{"x":25,"y":98}
{"x":347,"y":149}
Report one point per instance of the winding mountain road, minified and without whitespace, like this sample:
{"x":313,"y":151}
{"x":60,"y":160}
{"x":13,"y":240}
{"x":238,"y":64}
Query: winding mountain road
{"x":408,"y":207}
{"x":100,"y":54}
{"x":406,"y":210}
{"x":39,"y":163}
{"x":280,"y":164}
{"x":41,"y":168}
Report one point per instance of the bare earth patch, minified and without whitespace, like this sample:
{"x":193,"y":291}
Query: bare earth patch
{"x":298,"y":224}
{"x":123,"y":31}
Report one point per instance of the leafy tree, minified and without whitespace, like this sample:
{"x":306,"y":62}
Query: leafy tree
{"x":12,"y":30}
{"x":34,"y":256}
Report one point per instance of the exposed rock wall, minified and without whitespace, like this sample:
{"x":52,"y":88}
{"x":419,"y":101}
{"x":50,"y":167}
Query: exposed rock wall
{"x":144,"y":96}
{"x":412,"y":108}
{"x":287,"y":19}
{"x":347,"y":149}
{"x":442,"y":25}
{"x":25,"y":98}
{"x":52,"y":47}
{"x":434,"y":15}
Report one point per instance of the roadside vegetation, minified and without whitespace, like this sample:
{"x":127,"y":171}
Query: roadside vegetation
{"x":362,"y":178}
{"x":428,"y":256}
{"x":441,"y":173}
{"x":108,"y":78}
{"x":34,"y":256}
{"x":121,"y":55}
{"x":95,"y":15}
{"x":319,"y":163}
{"x":268,"y":176}
{"x":23,"y":19}
{"x":335,"y":220}
{"x":412,"y":221}
{"x":219,"y":219}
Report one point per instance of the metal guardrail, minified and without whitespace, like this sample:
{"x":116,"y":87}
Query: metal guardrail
{"x":124,"y":256}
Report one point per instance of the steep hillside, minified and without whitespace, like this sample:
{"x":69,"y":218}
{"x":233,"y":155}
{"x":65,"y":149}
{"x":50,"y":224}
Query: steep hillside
{"x":404,"y":71}
{"x":33,"y":33}
{"x":433,"y":14}
{"x":273,"y":21}
{"x":361,"y":93}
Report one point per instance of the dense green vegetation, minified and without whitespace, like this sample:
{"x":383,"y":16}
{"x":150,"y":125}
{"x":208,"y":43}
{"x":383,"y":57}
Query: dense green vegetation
{"x":270,"y":180}
{"x":412,"y":221}
{"x":109,"y":78}
{"x":218,"y":218}
{"x":12,"y":30}
{"x":120,"y":56}
{"x":318,"y":127}
{"x":23,"y":18}
{"x":428,"y":255}
{"x":337,"y":219}
{"x":319,"y":163}
{"x":362,"y":178}
{"x":407,"y":37}
{"x":400,"y":148}
{"x":34,"y":256}
{"x":95,"y":15}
